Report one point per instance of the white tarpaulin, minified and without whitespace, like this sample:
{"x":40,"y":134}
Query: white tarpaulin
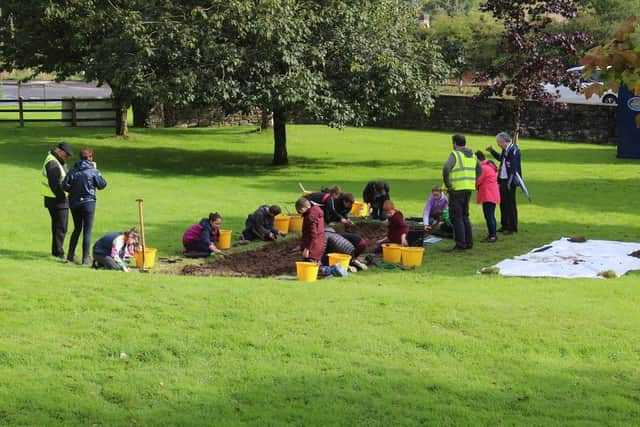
{"x":564,"y":258}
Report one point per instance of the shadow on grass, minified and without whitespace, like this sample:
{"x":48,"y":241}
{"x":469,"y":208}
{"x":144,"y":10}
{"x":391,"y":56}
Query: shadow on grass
{"x":27,"y":149}
{"x":19,"y":255}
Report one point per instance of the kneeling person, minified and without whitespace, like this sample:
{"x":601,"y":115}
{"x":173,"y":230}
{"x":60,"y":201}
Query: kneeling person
{"x":200,"y":239}
{"x":259,"y":224}
{"x":111,"y":250}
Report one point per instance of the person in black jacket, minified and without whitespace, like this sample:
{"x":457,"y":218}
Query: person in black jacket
{"x":375,"y":193}
{"x":259,"y":224}
{"x":81,"y":183}
{"x":335,"y":204}
{"x":509,"y":178}
{"x":53,"y":172}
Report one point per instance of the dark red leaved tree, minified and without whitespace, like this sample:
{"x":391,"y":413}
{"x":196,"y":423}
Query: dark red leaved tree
{"x":531,"y":55}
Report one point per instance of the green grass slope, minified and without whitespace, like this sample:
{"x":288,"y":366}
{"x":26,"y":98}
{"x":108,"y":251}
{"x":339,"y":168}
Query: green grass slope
{"x":439,"y":345}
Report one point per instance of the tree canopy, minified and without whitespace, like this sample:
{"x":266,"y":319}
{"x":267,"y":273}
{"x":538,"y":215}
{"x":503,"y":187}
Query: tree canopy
{"x":530,"y":54}
{"x":617,"y":61}
{"x":344,"y":62}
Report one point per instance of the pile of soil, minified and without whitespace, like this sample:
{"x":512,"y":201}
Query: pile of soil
{"x":274,"y":259}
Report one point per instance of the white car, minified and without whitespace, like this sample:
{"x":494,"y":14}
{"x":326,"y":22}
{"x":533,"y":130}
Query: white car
{"x":568,"y":95}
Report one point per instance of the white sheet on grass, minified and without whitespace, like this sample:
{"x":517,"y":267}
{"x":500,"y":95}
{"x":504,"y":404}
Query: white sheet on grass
{"x":563,"y":258}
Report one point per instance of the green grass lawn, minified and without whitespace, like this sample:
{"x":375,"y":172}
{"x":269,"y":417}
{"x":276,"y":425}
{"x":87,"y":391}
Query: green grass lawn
{"x":439,"y":345}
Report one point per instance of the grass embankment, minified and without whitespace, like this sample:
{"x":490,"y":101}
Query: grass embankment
{"x":439,"y":345}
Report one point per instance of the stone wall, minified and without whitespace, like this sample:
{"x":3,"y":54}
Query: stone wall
{"x":594,"y":123}
{"x":202,"y":117}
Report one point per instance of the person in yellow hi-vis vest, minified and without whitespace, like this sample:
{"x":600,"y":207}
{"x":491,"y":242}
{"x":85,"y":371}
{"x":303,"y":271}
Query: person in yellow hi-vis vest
{"x":54,"y":169}
{"x":459,"y":175}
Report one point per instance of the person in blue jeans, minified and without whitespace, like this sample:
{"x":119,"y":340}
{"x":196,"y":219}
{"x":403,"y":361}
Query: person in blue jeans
{"x":82,"y":183}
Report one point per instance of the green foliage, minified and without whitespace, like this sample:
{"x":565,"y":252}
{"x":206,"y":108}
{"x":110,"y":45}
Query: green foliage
{"x":617,"y":61}
{"x":330,"y":59}
{"x":439,"y":345}
{"x":469,"y":43}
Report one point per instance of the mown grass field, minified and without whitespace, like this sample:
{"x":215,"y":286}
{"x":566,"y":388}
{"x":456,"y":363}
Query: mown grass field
{"x":440,"y":345}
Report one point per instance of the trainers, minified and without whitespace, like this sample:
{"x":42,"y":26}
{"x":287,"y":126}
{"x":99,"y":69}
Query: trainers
{"x":359,"y":264}
{"x":339,"y":270}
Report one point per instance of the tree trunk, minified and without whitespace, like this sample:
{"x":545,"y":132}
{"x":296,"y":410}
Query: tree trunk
{"x":279,"y":138}
{"x":517,"y":113}
{"x":147,"y":115}
{"x":121,"y":119}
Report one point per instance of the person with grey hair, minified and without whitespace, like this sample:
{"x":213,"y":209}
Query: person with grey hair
{"x":509,"y":178}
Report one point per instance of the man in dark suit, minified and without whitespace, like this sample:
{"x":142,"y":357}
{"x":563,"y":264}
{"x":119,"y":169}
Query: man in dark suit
{"x":509,"y":178}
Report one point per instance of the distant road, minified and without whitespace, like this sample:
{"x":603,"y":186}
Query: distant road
{"x":41,"y":89}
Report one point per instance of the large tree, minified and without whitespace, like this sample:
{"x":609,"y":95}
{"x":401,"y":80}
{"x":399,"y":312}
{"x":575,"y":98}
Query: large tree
{"x":340,"y":62}
{"x":343,"y":62}
{"x":137,"y":47}
{"x":531,"y":55}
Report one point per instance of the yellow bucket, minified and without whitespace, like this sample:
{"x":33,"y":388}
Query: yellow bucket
{"x":281,"y":222}
{"x":412,"y":256}
{"x":295,"y":223}
{"x":307,"y":271}
{"x":343,"y":259}
{"x":359,"y":209}
{"x":149,"y":257}
{"x":391,"y":252}
{"x":224,"y":241}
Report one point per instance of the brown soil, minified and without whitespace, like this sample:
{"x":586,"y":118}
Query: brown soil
{"x":273,"y":259}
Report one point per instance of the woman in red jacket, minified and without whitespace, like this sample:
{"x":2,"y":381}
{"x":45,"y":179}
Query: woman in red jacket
{"x":488,"y":194}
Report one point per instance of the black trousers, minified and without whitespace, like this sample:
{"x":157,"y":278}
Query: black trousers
{"x":508,"y":208}
{"x":82,"y":222}
{"x":459,"y":214}
{"x":376,"y":206}
{"x":59,"y":222}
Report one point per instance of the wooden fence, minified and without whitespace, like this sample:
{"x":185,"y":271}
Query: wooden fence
{"x":76,"y":114}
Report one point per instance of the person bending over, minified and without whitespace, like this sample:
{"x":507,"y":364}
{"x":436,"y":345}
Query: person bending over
{"x":111,"y":250}
{"x":259,"y":224}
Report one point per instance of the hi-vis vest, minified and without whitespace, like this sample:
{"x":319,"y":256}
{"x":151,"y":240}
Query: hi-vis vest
{"x":463,"y":174}
{"x":45,"y":190}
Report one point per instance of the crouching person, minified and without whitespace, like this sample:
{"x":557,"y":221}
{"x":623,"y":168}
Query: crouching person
{"x":111,"y":250}
{"x":200,"y":239}
{"x":346,"y":243}
{"x":259,"y":224}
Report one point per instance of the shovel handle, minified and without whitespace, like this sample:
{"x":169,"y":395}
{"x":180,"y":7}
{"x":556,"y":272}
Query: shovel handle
{"x":141,"y":216}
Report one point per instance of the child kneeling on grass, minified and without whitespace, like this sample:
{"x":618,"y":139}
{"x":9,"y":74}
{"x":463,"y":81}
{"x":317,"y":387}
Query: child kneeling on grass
{"x":111,"y":250}
{"x":200,"y":239}
{"x":397,"y":229}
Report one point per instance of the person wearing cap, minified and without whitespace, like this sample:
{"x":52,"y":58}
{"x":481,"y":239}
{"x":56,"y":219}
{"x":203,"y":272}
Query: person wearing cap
{"x":54,"y":170}
{"x":259,"y":224}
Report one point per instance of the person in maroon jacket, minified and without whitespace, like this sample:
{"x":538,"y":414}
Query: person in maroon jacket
{"x":312,"y":242}
{"x":397,"y":229}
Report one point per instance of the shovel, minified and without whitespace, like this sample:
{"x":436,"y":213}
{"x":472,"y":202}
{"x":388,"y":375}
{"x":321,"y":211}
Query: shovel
{"x":141,"y":216}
